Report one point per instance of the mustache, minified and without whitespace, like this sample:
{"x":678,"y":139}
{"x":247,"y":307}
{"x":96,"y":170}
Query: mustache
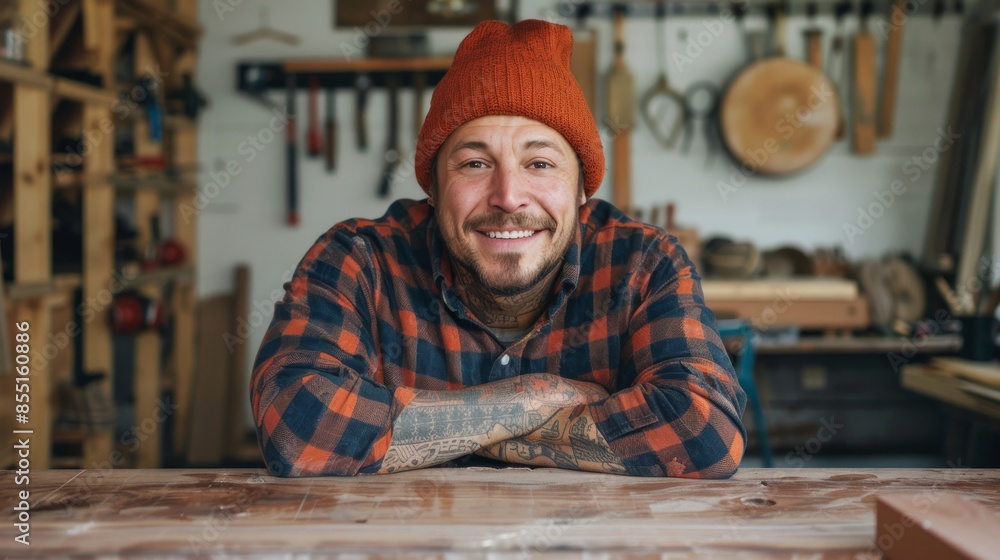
{"x":521,"y":221}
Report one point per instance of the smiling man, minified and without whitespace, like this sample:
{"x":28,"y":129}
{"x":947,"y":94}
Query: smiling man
{"x":509,"y":315}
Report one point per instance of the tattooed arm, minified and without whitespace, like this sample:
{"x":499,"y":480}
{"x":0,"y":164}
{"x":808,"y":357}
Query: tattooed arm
{"x":569,"y":440}
{"x":438,"y":426}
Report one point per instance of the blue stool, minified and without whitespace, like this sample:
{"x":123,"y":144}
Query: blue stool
{"x":733,"y":328}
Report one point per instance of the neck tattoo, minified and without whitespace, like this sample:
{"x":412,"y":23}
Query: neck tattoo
{"x":502,"y":311}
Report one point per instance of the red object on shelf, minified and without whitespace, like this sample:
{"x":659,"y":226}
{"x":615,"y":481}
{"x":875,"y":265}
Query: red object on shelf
{"x":171,"y":253}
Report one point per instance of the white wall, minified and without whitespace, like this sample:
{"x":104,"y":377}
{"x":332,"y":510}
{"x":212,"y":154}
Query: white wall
{"x":244,"y":222}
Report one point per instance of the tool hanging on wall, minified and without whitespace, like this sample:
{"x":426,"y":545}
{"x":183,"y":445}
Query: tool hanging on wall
{"x":314,"y":138}
{"x":392,"y":153}
{"x":291,"y":153}
{"x":890,"y":77}
{"x":836,"y":69}
{"x":863,"y":98}
{"x":621,"y":111}
{"x":701,"y":103}
{"x":331,"y":130}
{"x":759,"y":123}
{"x":361,"y":86}
{"x":663,"y":108}
{"x":814,"y":38}
{"x":153,"y":109}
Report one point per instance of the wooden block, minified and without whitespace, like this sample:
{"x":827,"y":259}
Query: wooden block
{"x":804,"y":314}
{"x":935,"y":524}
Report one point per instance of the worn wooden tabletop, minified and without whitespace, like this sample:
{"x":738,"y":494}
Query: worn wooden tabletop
{"x":512,"y":513}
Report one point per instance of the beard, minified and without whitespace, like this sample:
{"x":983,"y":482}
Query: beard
{"x":511,"y":280}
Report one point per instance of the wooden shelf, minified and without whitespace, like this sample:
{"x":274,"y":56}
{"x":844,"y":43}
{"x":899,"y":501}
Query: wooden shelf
{"x":126,"y":184}
{"x":31,"y":290}
{"x":321,"y":65}
{"x":938,"y":344}
{"x":19,"y":74}
{"x":163,"y":275}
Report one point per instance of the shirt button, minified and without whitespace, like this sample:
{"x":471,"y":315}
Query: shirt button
{"x":504,"y":360}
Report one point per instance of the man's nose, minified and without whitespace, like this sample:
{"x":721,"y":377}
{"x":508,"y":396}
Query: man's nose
{"x":508,"y":188}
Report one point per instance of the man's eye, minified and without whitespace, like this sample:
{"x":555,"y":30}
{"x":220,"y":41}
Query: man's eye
{"x":541,"y":164}
{"x":475,"y":164}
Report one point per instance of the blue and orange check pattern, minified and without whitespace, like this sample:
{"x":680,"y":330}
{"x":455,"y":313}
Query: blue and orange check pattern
{"x":370,"y":313}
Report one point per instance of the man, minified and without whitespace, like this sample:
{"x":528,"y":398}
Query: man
{"x":508,"y":315}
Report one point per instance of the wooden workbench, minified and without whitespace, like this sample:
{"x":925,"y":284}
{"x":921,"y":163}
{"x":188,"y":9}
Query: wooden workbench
{"x":814,"y":513}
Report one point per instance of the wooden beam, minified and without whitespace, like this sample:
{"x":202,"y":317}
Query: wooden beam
{"x":155,"y":18}
{"x":63,"y":22}
{"x":147,"y":348}
{"x":79,"y":91}
{"x":18,"y":74}
{"x":32,"y":184}
{"x":98,"y":266}
{"x":36,"y":48}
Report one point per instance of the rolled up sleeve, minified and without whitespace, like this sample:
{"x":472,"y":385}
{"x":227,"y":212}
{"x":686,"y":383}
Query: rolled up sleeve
{"x":682,"y":415}
{"x":317,"y":406}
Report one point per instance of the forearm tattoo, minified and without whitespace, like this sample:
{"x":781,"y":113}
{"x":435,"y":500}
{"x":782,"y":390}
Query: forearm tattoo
{"x":439,"y":426}
{"x":569,"y":440}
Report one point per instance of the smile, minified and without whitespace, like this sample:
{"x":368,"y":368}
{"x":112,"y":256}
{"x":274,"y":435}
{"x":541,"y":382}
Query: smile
{"x":509,"y":234}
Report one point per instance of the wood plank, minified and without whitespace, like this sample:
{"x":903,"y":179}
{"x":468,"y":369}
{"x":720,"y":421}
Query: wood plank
{"x":185,"y":333}
{"x":980,"y":207}
{"x":931,"y":382}
{"x":508,"y":513}
{"x":98,"y":283}
{"x":147,"y":384}
{"x":184,"y":154}
{"x":79,"y":91}
{"x":935,"y":525}
{"x":239,"y":375}
{"x":822,"y":289}
{"x":987,"y":373}
{"x":36,"y":49}
{"x":18,"y":74}
{"x":36,"y":313}
{"x":32,"y":184}
{"x":206,"y":444}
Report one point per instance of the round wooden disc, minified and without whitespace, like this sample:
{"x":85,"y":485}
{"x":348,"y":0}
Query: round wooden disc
{"x":779,"y":115}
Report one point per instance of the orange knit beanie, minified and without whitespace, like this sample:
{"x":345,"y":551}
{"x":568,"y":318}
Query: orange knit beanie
{"x":520,"y":70}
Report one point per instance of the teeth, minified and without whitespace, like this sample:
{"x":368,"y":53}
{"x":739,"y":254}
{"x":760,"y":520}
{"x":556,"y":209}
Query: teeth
{"x":509,"y":234}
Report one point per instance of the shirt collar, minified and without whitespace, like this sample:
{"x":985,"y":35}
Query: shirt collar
{"x":441,"y":264}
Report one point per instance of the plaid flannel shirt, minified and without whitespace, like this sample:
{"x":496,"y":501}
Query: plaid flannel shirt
{"x":370,"y":313}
